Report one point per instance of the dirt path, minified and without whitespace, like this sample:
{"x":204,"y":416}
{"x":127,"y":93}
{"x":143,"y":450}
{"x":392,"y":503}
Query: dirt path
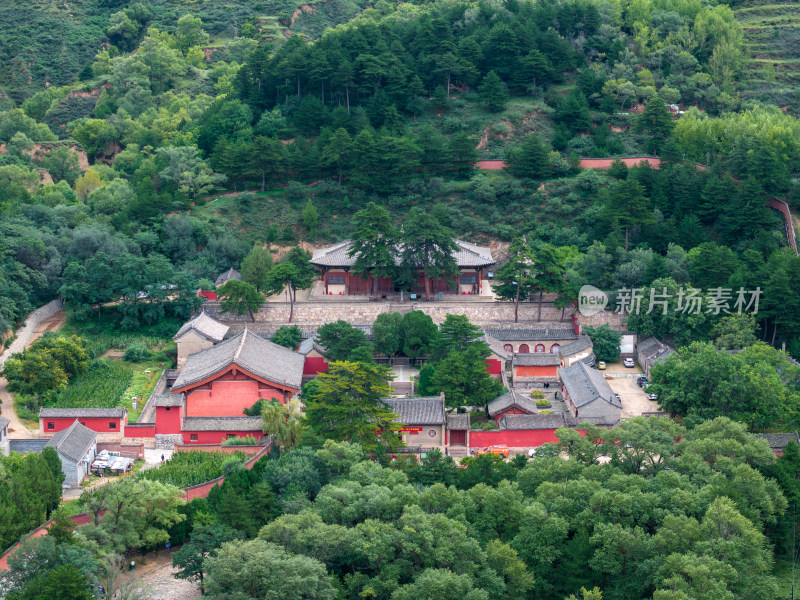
{"x":157,"y":579}
{"x":17,"y":429}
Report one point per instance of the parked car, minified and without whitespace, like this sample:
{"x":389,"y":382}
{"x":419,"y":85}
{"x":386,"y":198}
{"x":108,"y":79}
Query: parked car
{"x":532,"y":452}
{"x":652,"y":396}
{"x":501,"y":450}
{"x":628,"y":362}
{"x":601,"y":365}
{"x":641,"y":381}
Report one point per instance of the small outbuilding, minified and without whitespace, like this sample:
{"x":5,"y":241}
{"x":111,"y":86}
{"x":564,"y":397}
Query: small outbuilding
{"x":587,"y":394}
{"x":422,"y":420}
{"x":230,"y":274}
{"x":651,"y":351}
{"x":778,"y":441}
{"x":76,"y":446}
{"x":511,"y":403}
{"x":575,"y":351}
{"x":198,"y":334}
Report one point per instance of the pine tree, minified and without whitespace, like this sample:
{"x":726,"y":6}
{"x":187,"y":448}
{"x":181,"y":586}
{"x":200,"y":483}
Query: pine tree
{"x":529,"y":160}
{"x":493,"y":92}
{"x":656,"y":122}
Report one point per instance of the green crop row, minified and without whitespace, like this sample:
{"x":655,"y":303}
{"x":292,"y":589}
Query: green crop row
{"x":185,"y":469}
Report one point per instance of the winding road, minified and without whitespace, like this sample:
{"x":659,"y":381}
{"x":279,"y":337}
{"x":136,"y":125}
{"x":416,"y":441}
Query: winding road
{"x":17,"y":429}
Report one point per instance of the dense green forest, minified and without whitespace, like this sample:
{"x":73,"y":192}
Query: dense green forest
{"x":646,"y":509}
{"x":393,"y":106}
{"x":148,"y":145}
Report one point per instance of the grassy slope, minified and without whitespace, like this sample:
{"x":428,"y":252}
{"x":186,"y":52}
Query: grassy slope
{"x":772,"y":38}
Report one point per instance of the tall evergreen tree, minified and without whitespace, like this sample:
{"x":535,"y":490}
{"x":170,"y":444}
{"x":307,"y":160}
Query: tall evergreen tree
{"x":516,"y":278}
{"x":493,"y":92}
{"x":428,"y":246}
{"x":374,"y":244}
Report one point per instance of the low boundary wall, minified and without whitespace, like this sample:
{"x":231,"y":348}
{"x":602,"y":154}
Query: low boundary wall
{"x":200,"y":490}
{"x":129,"y":450}
{"x":251,"y":450}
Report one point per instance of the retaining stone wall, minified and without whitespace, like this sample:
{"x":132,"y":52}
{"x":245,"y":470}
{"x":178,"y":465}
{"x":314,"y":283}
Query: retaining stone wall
{"x":316,"y":314}
{"x":167,"y":441}
{"x":613,"y":319}
{"x":25,"y":333}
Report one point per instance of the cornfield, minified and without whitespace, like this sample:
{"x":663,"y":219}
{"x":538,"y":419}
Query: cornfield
{"x":102,"y":386}
{"x":185,"y":469}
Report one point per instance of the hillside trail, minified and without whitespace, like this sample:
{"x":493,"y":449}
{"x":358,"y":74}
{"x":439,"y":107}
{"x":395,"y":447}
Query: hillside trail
{"x":17,"y":429}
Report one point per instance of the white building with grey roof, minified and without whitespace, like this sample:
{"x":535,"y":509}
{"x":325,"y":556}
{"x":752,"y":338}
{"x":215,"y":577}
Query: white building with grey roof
{"x":76,"y":447}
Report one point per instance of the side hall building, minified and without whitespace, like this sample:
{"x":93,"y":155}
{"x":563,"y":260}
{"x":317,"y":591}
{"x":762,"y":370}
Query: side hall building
{"x":335,"y":264}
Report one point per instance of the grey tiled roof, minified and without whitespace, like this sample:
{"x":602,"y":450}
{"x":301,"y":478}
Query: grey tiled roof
{"x":585,"y":385}
{"x":337,"y":255}
{"x":510,"y":399}
{"x":222,"y":424}
{"x":517,"y":422}
{"x":229,"y":274}
{"x":534,"y":334}
{"x":537,"y":359}
{"x":458,"y":421}
{"x":584,"y":342}
{"x":495,"y":346}
{"x":88,"y":413}
{"x":648,"y":347}
{"x":206,"y":326}
{"x":74,"y":441}
{"x":252,"y":353}
{"x":418,"y":411}
{"x":778,"y":441}
{"x":605,"y":421}
{"x":168,"y":400}
{"x":309,"y":344}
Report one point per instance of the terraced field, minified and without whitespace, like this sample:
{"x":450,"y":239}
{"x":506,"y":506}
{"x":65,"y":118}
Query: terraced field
{"x":772,"y":38}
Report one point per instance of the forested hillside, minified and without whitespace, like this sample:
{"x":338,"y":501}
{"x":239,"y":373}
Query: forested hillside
{"x":175,"y":141}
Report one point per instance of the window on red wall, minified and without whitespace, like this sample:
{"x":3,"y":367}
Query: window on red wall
{"x":508,"y":348}
{"x":539,"y":348}
{"x":230,"y":436}
{"x":51,"y":425}
{"x":193,"y":437}
{"x":112,"y":425}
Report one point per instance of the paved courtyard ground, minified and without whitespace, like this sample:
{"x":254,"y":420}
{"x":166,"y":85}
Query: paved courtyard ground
{"x":634,"y":399}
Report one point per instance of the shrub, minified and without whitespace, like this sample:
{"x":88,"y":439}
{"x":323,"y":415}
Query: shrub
{"x":542,"y":403}
{"x":137,"y":352}
{"x":537,"y":394}
{"x":247,"y":440}
{"x":489,"y":426}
